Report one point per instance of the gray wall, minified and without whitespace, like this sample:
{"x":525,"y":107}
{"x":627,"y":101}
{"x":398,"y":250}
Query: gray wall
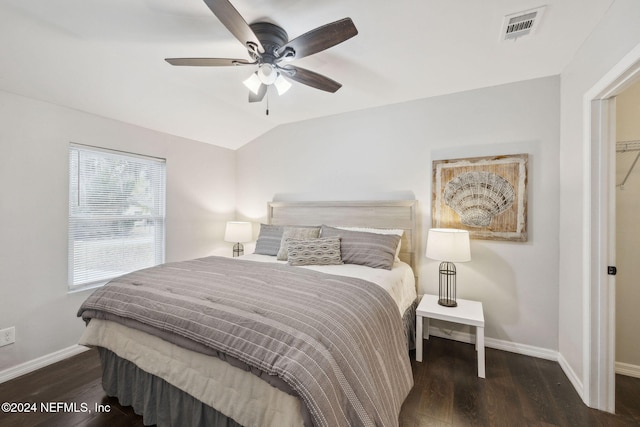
{"x":614,"y":37}
{"x":387,"y":152}
{"x":34,"y":139}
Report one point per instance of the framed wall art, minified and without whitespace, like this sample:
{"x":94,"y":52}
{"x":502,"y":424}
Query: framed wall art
{"x":485,"y":195}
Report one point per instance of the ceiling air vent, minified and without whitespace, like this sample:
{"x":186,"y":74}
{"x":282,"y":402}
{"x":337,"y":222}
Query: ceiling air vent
{"x":521,"y":24}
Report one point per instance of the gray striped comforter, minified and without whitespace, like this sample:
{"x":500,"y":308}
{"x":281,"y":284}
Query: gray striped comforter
{"x":337,"y":341}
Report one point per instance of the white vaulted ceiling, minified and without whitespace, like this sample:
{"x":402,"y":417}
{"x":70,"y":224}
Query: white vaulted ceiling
{"x":106,"y":57}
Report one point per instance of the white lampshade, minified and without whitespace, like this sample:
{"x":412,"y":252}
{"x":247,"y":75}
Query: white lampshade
{"x":281,"y":84}
{"x":238,"y":231}
{"x":448,"y":244}
{"x":253,"y":83}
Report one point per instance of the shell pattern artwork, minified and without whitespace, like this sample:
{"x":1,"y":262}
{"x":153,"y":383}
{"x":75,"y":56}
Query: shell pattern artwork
{"x":477,"y":197}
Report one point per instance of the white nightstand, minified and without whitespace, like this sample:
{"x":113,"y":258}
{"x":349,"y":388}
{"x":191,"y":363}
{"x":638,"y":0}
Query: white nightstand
{"x":466,"y":313}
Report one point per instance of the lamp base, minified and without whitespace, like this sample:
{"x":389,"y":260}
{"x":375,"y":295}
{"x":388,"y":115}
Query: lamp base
{"x":448,"y":302}
{"x":447,"y":289}
{"x":238,"y":250}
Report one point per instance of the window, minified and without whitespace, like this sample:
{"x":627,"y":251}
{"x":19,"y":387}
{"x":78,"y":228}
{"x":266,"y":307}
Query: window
{"x":116,"y":214}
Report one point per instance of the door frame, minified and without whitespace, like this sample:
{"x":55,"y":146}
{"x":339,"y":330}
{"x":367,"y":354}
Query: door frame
{"x":599,"y":231}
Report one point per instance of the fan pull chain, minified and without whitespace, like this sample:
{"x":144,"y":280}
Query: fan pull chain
{"x":267,"y":112}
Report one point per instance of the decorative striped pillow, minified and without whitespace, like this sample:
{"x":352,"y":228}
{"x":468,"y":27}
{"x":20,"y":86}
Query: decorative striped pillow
{"x":269,"y":239}
{"x":322,"y":251}
{"x":370,"y":249}
{"x":297,"y":233}
{"x":396,"y":231}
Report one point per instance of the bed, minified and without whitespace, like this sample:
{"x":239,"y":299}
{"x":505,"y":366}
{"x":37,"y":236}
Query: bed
{"x":258,"y":341}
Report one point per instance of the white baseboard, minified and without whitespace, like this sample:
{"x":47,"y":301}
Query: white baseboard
{"x":527,"y":350}
{"x":628,"y":369}
{"x":40,"y":362}
{"x":573,"y":378}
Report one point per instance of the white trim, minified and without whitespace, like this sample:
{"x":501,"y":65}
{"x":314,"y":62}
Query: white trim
{"x":586,"y":252}
{"x":616,"y":79}
{"x":570,"y":373}
{"x":628,"y":369}
{"x":512,"y":347}
{"x":40,"y":362}
{"x":599,"y":320}
{"x":524,"y":349}
{"x":597,"y":349}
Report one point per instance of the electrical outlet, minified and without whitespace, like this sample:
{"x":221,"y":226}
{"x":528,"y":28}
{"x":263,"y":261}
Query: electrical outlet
{"x":7,"y":336}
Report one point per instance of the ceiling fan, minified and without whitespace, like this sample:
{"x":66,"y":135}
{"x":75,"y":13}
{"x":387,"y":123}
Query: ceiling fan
{"x":271,"y":50}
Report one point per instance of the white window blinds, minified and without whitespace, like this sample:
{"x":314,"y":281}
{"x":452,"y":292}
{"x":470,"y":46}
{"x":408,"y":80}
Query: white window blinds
{"x":116,"y":214}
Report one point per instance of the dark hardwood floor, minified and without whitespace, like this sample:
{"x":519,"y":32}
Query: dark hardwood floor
{"x":518,"y":391}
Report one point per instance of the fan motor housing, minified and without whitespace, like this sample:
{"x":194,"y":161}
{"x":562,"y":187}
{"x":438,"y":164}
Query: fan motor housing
{"x":271,"y":36}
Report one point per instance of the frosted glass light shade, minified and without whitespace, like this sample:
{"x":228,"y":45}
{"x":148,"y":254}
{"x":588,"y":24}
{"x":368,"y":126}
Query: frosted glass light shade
{"x":253,"y":83}
{"x":267,"y":74}
{"x":281,"y":84}
{"x":238,"y":231}
{"x":448,"y":244}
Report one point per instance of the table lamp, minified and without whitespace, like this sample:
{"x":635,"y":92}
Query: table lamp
{"x":448,"y":245}
{"x":238,"y":232}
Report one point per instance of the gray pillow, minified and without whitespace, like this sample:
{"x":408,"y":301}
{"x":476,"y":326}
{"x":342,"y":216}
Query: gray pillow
{"x":323,"y":251}
{"x":298,"y":233}
{"x":363,"y":248}
{"x":268,"y":242}
{"x":270,"y":237}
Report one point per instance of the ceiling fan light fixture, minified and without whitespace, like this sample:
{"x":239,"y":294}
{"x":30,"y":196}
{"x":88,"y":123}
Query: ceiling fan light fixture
{"x":267,"y":74}
{"x":253,"y":83}
{"x":268,"y":45}
{"x":281,"y":84}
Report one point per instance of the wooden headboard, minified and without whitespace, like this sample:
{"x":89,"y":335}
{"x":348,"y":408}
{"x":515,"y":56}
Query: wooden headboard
{"x":377,"y":214}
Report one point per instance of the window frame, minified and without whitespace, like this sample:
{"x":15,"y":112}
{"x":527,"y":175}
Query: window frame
{"x":156,"y":217}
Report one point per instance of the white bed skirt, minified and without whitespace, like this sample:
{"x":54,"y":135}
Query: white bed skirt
{"x":234,"y":392}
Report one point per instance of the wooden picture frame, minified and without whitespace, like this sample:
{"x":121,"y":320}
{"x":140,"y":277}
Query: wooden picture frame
{"x":485,"y":195}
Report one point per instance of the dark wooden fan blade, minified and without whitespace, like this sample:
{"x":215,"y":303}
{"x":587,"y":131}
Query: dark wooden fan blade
{"x":235,"y":23}
{"x":321,"y":38}
{"x":207,"y":62}
{"x":313,"y":79}
{"x":261,"y":93}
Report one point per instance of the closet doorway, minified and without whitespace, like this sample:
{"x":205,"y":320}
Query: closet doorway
{"x":627,"y":206}
{"x":600,"y":231}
